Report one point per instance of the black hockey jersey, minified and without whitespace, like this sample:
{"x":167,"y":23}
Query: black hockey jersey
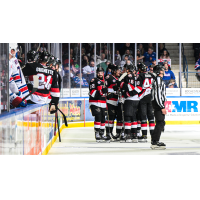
{"x":147,"y":79}
{"x":48,"y":83}
{"x":132,"y":86}
{"x":111,"y":81}
{"x":96,"y":96}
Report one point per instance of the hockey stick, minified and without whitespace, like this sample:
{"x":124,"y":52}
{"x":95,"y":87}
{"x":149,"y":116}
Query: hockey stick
{"x":120,"y":94}
{"x":65,"y":119}
{"x":56,"y":115}
{"x":55,"y":125}
{"x":35,"y":86}
{"x":122,"y":76}
{"x":107,"y":107}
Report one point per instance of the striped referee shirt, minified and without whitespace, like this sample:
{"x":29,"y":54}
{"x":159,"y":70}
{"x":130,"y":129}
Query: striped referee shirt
{"x":159,"y":92}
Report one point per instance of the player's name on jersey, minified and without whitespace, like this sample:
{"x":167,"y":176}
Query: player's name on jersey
{"x":48,"y":71}
{"x":148,"y":75}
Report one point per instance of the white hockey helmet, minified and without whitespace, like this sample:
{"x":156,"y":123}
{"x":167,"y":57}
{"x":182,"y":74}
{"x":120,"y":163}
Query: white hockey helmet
{"x":13,"y":46}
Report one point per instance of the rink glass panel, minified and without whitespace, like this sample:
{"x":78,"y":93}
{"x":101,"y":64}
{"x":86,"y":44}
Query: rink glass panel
{"x":27,"y":131}
{"x":4,"y":57}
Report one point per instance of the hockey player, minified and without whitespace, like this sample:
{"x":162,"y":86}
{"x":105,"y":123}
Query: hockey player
{"x":130,"y":87}
{"x":14,"y":93}
{"x":145,"y":105}
{"x":97,"y":103}
{"x":158,"y":100}
{"x":112,"y":99}
{"x":17,"y":75}
{"x":29,"y":70}
{"x":48,"y":82}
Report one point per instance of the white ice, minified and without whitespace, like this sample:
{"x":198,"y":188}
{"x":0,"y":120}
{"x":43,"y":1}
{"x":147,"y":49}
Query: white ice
{"x":179,"y":140}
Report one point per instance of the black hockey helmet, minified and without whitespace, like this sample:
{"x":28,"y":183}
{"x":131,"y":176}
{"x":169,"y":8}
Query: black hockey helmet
{"x":158,"y":68}
{"x":52,"y":58}
{"x":131,"y":68}
{"x":100,"y":69}
{"x":142,"y":66}
{"x":31,"y":56}
{"x":58,"y":61}
{"x":45,"y":56}
{"x":113,"y":68}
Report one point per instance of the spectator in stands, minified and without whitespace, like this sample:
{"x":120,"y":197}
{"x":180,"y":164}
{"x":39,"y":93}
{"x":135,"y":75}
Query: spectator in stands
{"x":102,"y":62}
{"x":92,"y":64}
{"x":141,"y":48}
{"x":150,"y":45}
{"x":130,"y":57}
{"x":85,"y":59}
{"x":139,"y":55}
{"x":172,"y":84}
{"x":78,"y":80}
{"x":165,"y":55}
{"x":149,"y":55}
{"x":168,"y":74}
{"x":127,"y":46}
{"x":161,"y":48}
{"x":102,"y":59}
{"x":117,"y":58}
{"x":197,"y":68}
{"x":123,"y":62}
{"x":152,"y":65}
{"x":86,"y":68}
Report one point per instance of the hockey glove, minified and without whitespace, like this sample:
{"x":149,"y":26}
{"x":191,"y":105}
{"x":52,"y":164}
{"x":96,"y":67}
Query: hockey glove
{"x":104,"y":90}
{"x":17,"y":102}
{"x":118,"y":83}
{"x":23,"y":103}
{"x":115,"y":87}
{"x":126,"y":79}
{"x":53,"y":108}
{"x":110,"y":95}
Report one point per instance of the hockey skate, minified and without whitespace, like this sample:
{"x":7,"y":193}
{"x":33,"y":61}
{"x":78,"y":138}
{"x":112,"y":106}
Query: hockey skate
{"x":128,"y":138}
{"x":104,"y":138}
{"x":142,"y":138}
{"x":156,"y":145}
{"x":116,"y":137}
{"x":97,"y":137}
{"x":134,"y":138}
{"x":122,"y":138}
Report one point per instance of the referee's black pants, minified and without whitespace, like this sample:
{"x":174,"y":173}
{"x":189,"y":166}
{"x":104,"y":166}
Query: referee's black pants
{"x":160,"y":122}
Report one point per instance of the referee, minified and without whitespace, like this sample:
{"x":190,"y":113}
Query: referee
{"x":158,"y":101}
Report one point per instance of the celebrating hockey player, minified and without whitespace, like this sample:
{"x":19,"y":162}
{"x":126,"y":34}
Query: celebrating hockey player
{"x":158,"y":101}
{"x":112,"y":100}
{"x":130,"y":87}
{"x":48,"y":82}
{"x":145,"y":105}
{"x":97,"y":102}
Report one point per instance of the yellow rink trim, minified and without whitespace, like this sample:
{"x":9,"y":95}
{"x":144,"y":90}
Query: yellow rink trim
{"x":91,"y":124}
{"x":45,"y":152}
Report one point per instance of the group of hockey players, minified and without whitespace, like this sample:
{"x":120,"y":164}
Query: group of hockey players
{"x":132,"y":96}
{"x":41,"y":65}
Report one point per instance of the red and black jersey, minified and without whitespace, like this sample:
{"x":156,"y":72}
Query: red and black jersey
{"x":132,"y":85}
{"x":111,"y":81}
{"x":147,"y":80}
{"x":48,"y":83}
{"x":96,"y":96}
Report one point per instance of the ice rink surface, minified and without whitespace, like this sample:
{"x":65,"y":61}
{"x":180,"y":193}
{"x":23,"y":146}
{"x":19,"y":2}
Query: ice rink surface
{"x":179,"y":140}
